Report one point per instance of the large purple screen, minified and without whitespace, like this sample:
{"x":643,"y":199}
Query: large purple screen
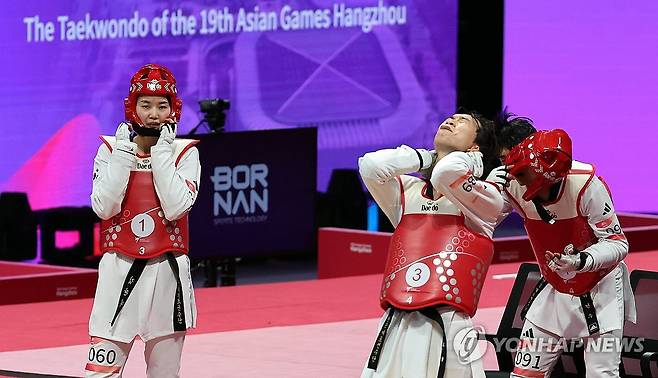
{"x":589,"y":67}
{"x":368,"y":74}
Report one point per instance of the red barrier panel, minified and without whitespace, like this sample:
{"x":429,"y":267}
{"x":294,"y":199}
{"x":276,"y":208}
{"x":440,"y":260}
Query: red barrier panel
{"x":344,"y":252}
{"x":25,"y":283}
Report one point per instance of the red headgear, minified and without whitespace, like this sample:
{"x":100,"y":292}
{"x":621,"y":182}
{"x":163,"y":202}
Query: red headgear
{"x":547,"y":154}
{"x":152,"y":80}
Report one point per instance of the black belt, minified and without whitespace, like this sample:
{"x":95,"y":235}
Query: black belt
{"x":179,"y":304}
{"x":590,"y":313}
{"x":541,"y":284}
{"x":373,"y":360}
{"x":431,"y":313}
{"x":434,"y":315}
{"x":130,"y":282}
{"x":585,"y":302}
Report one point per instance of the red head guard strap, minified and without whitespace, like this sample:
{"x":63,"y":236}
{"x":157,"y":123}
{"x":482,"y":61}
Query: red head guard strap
{"x":545,"y":153}
{"x":152,"y":80}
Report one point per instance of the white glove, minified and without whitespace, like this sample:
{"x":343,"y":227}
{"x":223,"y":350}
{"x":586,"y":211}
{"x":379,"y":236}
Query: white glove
{"x":564,"y":264}
{"x":500,"y":176}
{"x":428,"y":157}
{"x":569,"y":261}
{"x":167,"y":134}
{"x":123,"y":132}
{"x":476,"y":163}
{"x":123,"y":142}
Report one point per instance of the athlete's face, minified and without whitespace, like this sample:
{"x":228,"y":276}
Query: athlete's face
{"x":153,"y":111}
{"x":525,"y":176}
{"x":503,"y":153}
{"x":457,"y":133}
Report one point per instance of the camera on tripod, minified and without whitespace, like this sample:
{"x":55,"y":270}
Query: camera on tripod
{"x":214,"y":113}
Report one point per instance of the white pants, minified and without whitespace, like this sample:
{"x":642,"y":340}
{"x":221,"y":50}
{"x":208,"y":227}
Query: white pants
{"x":412,"y":347}
{"x":162,"y":355}
{"x":562,"y":313}
{"x":540,"y":349}
{"x":148,"y":312}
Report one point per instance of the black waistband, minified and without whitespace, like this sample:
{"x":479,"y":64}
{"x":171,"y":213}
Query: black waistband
{"x":129,"y":284}
{"x":179,"y":304}
{"x":590,"y":313}
{"x":430,"y":313}
{"x":136,"y":270}
{"x":434,"y":315}
{"x":541,"y":284}
{"x":585,"y":302}
{"x":373,"y":360}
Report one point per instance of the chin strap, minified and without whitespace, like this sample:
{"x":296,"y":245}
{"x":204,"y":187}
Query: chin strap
{"x":543,"y":213}
{"x":145,"y":131}
{"x":430,"y":189}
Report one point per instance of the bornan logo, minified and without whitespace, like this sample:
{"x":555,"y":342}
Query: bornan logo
{"x":240,"y":191}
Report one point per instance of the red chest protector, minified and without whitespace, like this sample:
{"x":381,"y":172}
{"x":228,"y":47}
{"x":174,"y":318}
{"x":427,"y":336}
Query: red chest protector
{"x":140,"y":229}
{"x":554,"y":237}
{"x":570,"y":227}
{"x":433,"y":258}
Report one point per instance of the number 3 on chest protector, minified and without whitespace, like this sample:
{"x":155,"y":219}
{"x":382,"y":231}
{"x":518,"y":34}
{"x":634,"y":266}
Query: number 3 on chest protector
{"x":417,"y":275}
